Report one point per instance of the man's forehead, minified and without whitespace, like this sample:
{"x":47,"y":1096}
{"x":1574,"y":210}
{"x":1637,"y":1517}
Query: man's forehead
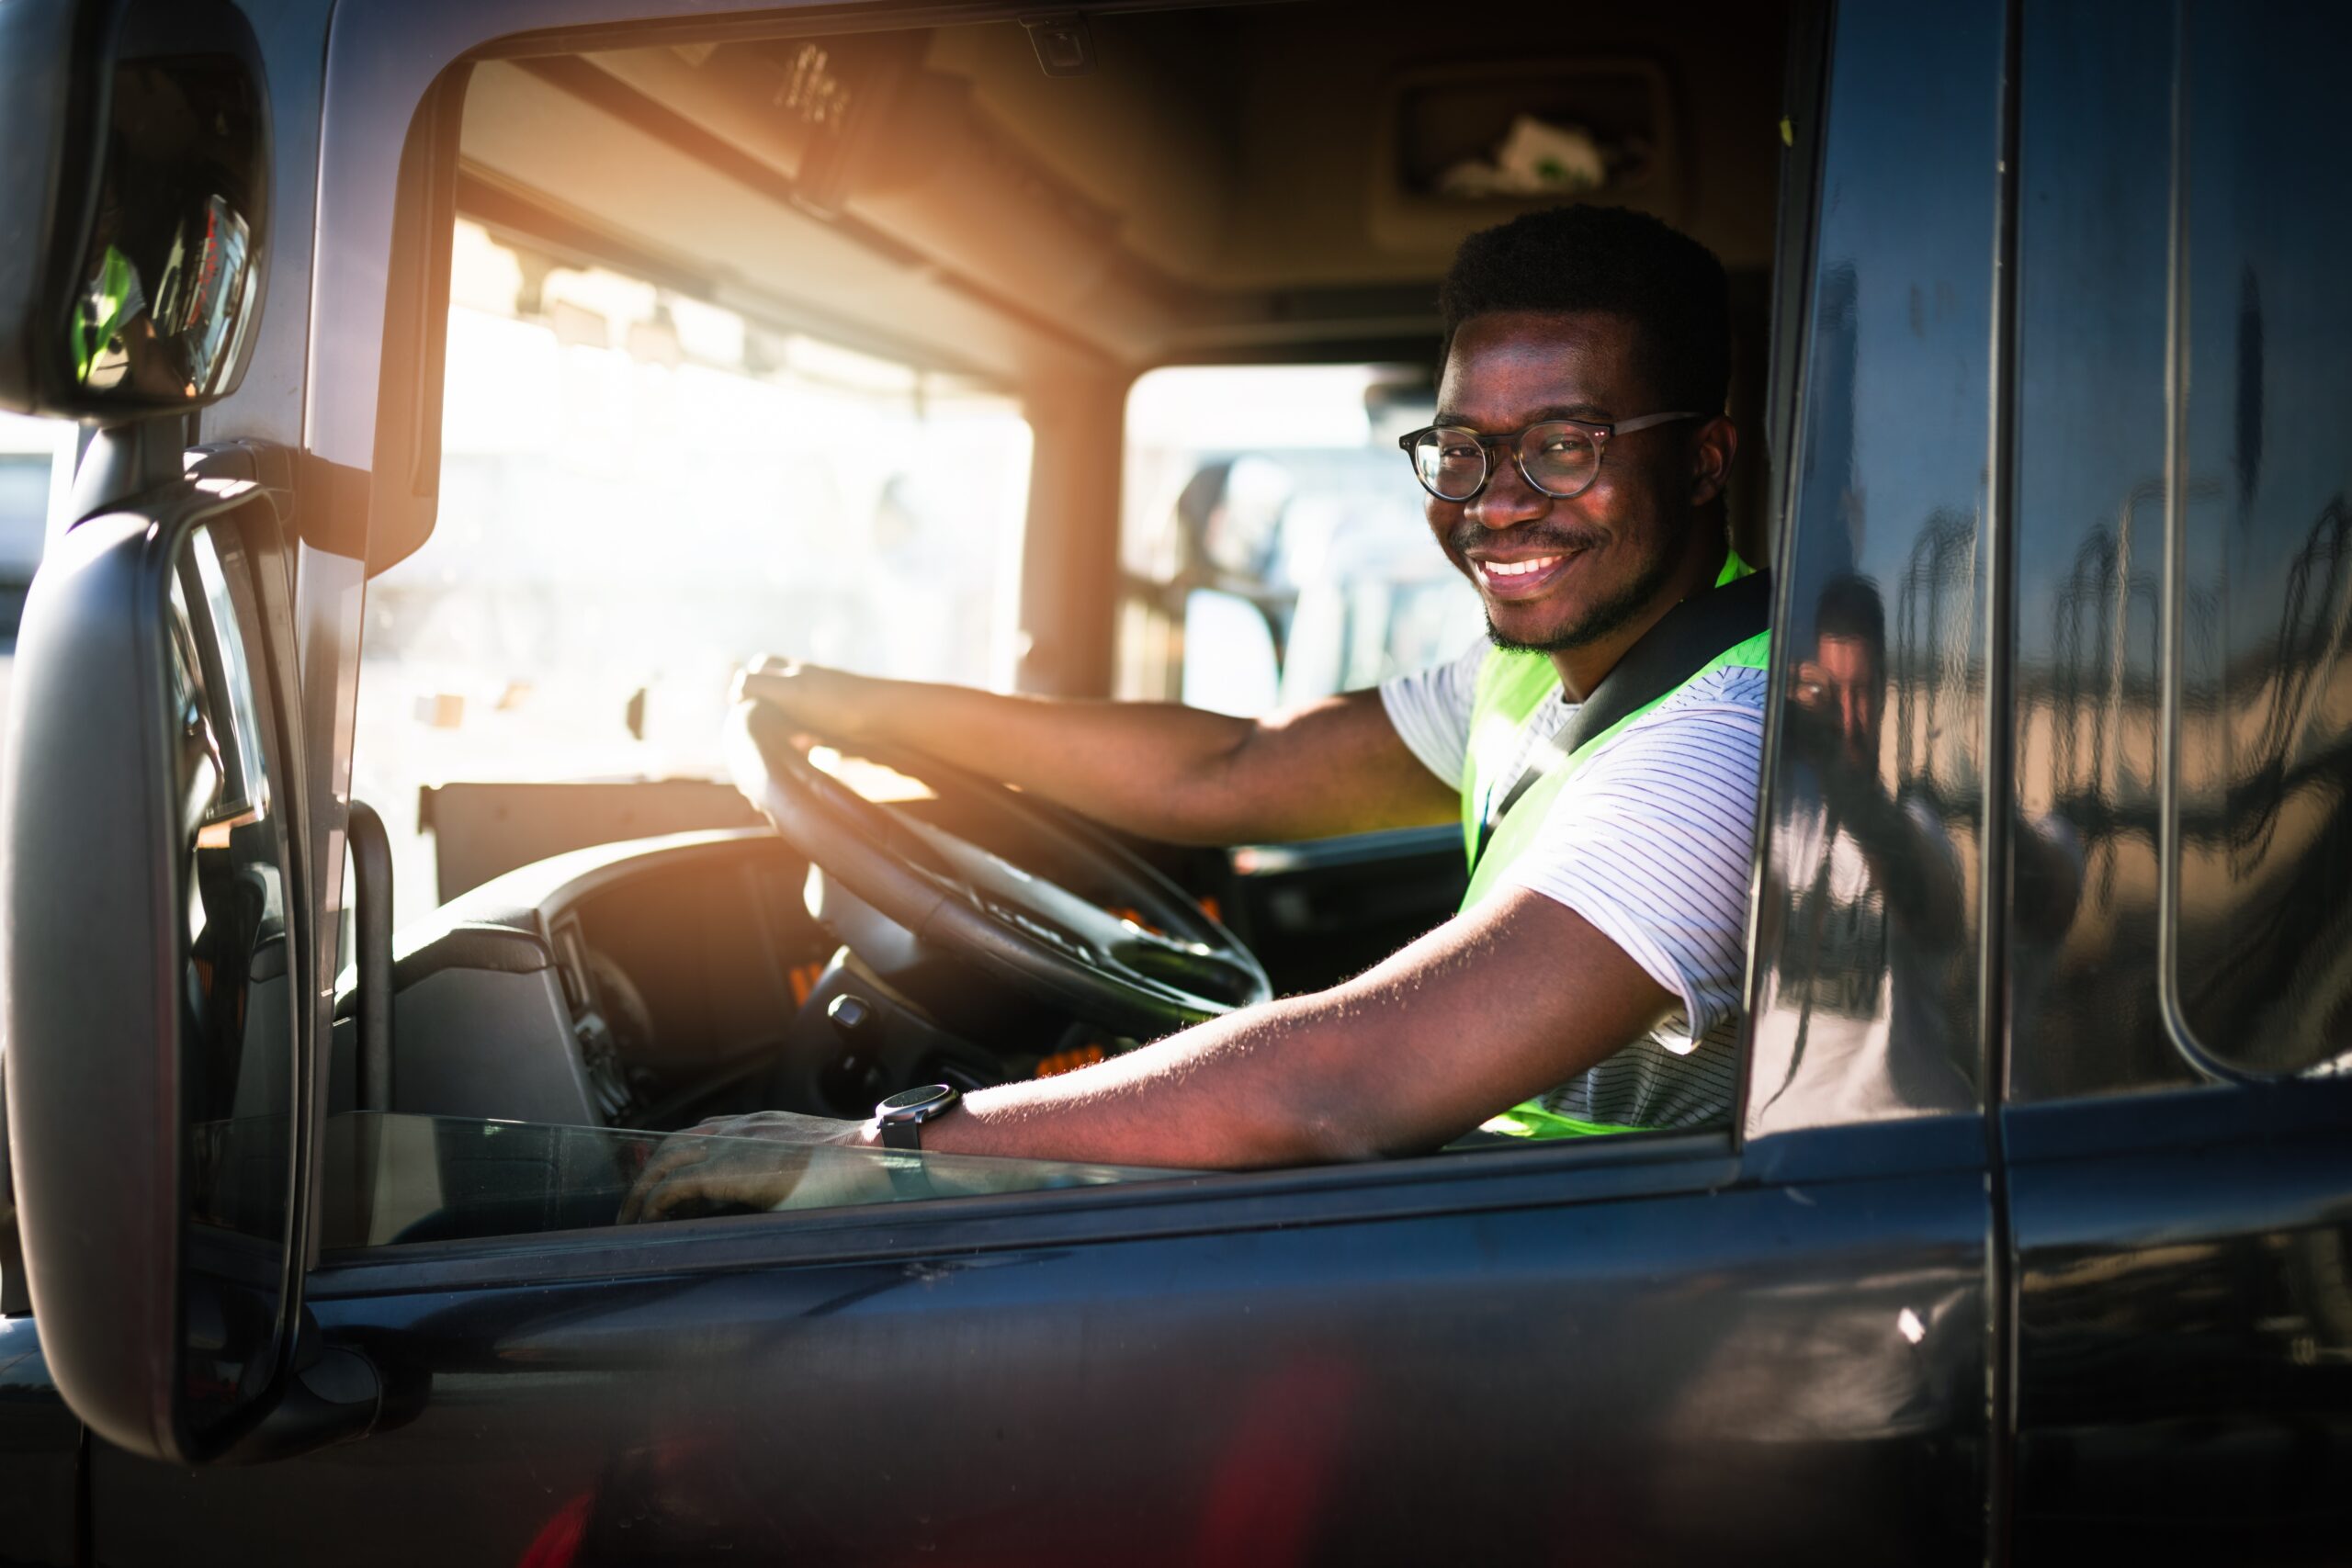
{"x":1846,"y":649}
{"x":1525,"y":366}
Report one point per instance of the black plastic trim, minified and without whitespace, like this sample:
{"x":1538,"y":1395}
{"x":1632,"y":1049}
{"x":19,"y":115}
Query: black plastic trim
{"x":498,"y":949}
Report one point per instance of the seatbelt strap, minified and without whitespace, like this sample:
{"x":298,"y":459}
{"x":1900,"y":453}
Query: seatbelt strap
{"x":1685,"y":640}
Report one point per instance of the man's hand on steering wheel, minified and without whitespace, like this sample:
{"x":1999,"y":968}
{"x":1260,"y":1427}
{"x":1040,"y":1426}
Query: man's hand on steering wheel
{"x":831,"y":703}
{"x":1132,"y":953}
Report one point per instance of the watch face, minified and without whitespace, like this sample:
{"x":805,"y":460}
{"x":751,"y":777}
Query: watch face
{"x":914,"y":1101}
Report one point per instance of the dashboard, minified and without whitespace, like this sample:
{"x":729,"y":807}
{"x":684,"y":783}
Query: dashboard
{"x":656,"y":982}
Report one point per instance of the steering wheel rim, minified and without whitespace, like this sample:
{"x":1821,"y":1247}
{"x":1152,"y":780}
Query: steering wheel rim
{"x":1046,"y":942}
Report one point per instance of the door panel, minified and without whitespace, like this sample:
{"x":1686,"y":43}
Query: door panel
{"x":2185,"y":1327}
{"x":1653,"y":1379}
{"x":2179,"y":1197}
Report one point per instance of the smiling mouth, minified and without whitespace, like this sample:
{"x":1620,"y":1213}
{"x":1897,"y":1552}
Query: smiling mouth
{"x":1520,"y":579}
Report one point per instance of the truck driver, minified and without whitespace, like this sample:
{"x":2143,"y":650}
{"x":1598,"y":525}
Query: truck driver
{"x":1591,"y":980}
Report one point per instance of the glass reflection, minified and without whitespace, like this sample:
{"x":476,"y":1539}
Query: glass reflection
{"x":2093,"y":242}
{"x":1883,"y":889}
{"x":2251,"y":494}
{"x":171,"y":274}
{"x":1867,"y":1003}
{"x":2264,"y":595}
{"x":236,"y":1022}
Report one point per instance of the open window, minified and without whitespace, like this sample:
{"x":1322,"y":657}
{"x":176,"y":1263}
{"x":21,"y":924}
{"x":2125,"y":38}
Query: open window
{"x":893,"y":350}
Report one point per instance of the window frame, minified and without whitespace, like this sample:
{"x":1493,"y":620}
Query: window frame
{"x":373,"y":405}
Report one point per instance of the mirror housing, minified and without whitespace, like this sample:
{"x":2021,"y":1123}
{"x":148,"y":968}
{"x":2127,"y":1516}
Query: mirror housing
{"x":155,"y":1092}
{"x":134,"y":147}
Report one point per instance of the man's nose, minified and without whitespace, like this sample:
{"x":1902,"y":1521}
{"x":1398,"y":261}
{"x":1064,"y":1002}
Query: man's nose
{"x":1507,"y":500}
{"x":1850,"y":699}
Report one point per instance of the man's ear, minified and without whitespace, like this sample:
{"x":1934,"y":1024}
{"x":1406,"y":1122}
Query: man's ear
{"x":1711,"y":452}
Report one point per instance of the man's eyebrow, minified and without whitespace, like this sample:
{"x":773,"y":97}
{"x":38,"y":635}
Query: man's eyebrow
{"x":1590,"y":413}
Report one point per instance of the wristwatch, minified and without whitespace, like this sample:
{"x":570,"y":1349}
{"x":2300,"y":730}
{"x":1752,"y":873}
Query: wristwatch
{"x":901,"y":1116}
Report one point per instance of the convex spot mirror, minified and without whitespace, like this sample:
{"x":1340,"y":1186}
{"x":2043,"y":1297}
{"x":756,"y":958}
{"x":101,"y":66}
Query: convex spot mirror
{"x":134,"y":174}
{"x":150,"y":971}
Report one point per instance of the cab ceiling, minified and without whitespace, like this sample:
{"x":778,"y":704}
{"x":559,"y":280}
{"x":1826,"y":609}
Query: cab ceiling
{"x":1231,"y":183}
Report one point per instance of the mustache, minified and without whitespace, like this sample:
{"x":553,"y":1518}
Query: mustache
{"x":1468,"y":536}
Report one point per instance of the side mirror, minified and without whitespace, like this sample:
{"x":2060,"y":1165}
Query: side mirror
{"x":134,"y":167}
{"x":152,"y":969}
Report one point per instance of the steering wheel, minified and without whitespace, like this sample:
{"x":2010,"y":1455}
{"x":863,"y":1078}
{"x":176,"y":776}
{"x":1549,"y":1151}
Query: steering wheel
{"x":1139,"y":957}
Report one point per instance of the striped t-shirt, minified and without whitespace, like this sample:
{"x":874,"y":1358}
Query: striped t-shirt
{"x":1650,"y":840}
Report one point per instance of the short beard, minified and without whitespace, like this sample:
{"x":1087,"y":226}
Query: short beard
{"x":1598,"y":620}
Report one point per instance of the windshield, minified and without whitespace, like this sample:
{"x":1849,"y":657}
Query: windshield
{"x":642,"y":489}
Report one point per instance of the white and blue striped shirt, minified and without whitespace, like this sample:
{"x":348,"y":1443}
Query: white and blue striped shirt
{"x":1652,"y":841}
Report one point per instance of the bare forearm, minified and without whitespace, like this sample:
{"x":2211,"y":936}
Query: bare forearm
{"x":1150,"y":768}
{"x":1244,"y":1092}
{"x":1473,"y":1018}
{"x":1169,"y":772}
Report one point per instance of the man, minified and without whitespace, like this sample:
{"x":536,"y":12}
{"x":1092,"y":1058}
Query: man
{"x":1574,"y":474}
{"x":1881,"y":914}
{"x":1879,"y":1021}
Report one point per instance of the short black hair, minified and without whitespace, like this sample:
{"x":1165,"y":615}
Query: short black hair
{"x":1851,"y":607}
{"x":1609,"y":259}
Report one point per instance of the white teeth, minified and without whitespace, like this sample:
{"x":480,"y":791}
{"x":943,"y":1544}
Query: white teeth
{"x":1520,"y":567}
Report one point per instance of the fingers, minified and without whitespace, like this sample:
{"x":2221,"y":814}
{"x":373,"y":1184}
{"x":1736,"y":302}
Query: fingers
{"x":674,"y":1154}
{"x":757,"y":1159}
{"x":823,"y":698}
{"x":755,"y":1178}
{"x":1810,"y":686}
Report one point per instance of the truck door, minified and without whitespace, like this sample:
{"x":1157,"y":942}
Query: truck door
{"x":2178,"y":986}
{"x":1766,"y":1340}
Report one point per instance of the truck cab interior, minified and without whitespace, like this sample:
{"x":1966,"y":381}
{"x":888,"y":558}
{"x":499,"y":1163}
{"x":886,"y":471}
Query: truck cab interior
{"x":1061,"y":356}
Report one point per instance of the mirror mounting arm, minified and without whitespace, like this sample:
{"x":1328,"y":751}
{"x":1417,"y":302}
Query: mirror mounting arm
{"x":128,"y":460}
{"x":335,"y":1393}
{"x":335,"y":1399}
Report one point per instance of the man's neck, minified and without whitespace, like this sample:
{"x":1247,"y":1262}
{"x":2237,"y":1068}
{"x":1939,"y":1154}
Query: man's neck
{"x":1587,"y":665}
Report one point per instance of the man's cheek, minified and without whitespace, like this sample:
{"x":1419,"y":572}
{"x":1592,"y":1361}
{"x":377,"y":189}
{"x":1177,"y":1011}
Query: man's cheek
{"x":1443,"y":521}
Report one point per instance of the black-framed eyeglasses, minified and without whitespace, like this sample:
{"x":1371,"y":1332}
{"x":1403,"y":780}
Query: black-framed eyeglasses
{"x":1559,"y":457}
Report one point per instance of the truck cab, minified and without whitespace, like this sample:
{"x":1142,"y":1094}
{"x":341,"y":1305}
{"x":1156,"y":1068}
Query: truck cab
{"x":470,"y":389}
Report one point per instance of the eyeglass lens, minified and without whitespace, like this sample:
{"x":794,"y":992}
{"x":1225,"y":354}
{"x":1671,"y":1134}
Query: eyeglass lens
{"x":1559,"y":458}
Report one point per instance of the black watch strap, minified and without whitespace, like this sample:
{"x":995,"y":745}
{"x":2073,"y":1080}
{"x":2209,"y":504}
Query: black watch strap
{"x":901,"y":1116}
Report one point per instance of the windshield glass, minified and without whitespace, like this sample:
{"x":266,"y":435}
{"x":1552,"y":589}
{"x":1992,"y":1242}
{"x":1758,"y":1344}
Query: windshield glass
{"x":638,"y":491}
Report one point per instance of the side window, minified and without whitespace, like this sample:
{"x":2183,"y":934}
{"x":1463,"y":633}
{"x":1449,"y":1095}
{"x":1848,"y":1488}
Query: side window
{"x":1272,"y":545}
{"x":1866,"y":945}
{"x":2261,"y":824}
{"x":724,"y":377}
{"x":2183,"y":589}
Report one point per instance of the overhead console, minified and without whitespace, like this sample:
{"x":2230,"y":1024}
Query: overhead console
{"x":1473,"y":144}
